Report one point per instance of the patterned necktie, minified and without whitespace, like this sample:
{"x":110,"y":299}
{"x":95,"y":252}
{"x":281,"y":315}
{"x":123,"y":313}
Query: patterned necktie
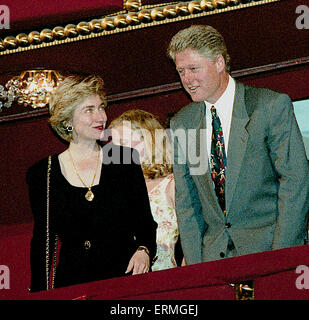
{"x":218,"y":158}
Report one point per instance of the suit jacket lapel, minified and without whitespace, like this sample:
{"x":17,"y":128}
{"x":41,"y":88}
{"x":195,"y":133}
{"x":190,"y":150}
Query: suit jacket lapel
{"x":237,"y":143}
{"x":192,"y":125}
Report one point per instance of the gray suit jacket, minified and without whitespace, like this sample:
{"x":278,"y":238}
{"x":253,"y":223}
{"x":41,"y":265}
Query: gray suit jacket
{"x":267,"y":179}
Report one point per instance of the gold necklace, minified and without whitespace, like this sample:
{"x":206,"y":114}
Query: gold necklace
{"x":89,"y":194}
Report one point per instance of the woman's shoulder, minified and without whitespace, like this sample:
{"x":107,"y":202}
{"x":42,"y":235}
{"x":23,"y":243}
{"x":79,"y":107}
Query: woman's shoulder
{"x":116,"y":154}
{"x":39,"y":168}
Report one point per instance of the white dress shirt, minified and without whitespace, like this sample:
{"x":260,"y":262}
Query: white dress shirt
{"x":224,"y":107}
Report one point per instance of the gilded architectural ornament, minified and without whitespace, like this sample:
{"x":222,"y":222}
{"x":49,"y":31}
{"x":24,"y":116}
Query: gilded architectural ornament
{"x":32,"y":88}
{"x":34,"y":38}
{"x":83,"y":28}
{"x":132,"y":5}
{"x":58,"y":33}
{"x":134,"y":16}
{"x":132,"y":19}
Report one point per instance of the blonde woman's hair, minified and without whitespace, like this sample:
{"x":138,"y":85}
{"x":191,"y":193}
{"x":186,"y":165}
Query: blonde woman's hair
{"x":68,"y":96}
{"x":158,"y":153}
{"x":204,"y":39}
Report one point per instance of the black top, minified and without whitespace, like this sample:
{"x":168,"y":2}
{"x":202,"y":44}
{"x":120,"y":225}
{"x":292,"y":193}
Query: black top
{"x":115,"y":223}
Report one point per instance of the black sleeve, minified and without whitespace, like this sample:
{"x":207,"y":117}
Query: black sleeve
{"x":37,"y":185}
{"x":145,"y":226}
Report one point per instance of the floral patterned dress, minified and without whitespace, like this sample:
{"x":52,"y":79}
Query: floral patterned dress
{"x":167,"y":231}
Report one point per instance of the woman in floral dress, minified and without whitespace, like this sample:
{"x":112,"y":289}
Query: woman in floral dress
{"x":142,"y":131}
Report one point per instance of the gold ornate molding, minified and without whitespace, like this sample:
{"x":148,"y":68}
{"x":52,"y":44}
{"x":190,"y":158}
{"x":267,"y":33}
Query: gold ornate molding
{"x":132,"y":5}
{"x":134,"y":16}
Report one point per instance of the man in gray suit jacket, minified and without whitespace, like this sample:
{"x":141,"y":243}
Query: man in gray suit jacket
{"x":266,"y":171}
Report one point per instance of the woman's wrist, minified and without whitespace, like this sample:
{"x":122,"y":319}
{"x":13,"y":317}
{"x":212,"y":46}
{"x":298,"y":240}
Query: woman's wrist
{"x":143,"y":248}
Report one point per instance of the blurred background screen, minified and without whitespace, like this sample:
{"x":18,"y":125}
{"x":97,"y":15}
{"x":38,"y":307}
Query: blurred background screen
{"x":301,"y":109}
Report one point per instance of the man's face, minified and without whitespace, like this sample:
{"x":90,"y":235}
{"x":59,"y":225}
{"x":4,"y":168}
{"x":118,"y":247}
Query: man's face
{"x":200,"y":77}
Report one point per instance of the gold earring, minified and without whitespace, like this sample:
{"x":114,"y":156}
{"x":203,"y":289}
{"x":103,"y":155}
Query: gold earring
{"x":68,"y":127}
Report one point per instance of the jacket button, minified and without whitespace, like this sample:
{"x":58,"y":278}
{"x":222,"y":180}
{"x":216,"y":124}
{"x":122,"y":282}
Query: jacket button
{"x":222,"y":255}
{"x":227,"y":225}
{"x":87,"y":245}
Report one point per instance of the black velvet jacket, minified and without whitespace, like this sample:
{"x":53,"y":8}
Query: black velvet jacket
{"x":99,"y":237}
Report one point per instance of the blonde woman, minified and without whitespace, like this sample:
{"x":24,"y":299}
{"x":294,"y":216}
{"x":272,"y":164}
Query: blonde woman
{"x":105,"y":227}
{"x":142,"y":131}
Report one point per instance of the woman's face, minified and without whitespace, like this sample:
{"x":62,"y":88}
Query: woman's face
{"x":124,"y":135}
{"x":89,"y":119}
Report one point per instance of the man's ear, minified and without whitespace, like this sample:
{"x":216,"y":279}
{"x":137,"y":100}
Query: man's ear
{"x":220,"y":63}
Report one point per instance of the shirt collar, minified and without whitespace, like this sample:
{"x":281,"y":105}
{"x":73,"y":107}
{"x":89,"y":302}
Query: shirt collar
{"x":226,"y":99}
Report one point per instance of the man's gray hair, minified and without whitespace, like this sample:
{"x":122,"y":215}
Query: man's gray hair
{"x":204,"y":39}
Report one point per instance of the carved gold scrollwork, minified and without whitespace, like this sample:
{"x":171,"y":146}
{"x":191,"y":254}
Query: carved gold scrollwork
{"x":58,"y":33}
{"x":220,"y":4}
{"x":134,"y":15}
{"x":132,"y":19}
{"x":96,"y":25}
{"x":157,"y":14}
{"x":170,"y":12}
{"x":207,"y":5}
{"x":46,"y":35}
{"x":2,"y":46}
{"x":120,"y":21}
{"x":22,"y":40}
{"x":83,"y":28}
{"x":194,"y":7}
{"x":132,"y":5}
{"x":182,"y":9}
{"x":108,"y":24}
{"x":144,"y":16}
{"x":10,"y":42}
{"x":70,"y":31}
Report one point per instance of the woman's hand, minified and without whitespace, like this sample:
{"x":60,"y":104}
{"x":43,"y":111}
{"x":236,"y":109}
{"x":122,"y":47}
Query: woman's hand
{"x":139,"y":263}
